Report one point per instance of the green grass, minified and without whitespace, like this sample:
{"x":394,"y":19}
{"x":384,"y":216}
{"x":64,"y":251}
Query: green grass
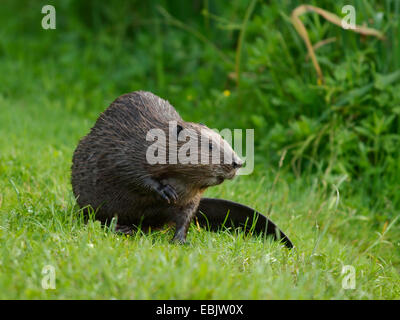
{"x":336,"y":194}
{"x":39,"y":226}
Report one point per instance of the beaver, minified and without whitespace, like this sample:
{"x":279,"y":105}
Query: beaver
{"x":144,"y":165}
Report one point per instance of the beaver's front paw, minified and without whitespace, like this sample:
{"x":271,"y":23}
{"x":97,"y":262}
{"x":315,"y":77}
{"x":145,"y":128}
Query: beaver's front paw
{"x":168,"y":193}
{"x":180,"y":237}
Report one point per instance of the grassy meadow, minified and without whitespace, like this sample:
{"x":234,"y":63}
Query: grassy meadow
{"x":327,"y":156}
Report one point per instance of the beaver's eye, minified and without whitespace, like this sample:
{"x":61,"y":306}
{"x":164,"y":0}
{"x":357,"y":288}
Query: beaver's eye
{"x":210,"y":146}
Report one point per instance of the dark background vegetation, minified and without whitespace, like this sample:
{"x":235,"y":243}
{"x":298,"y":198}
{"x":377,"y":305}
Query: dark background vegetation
{"x":234,"y":64}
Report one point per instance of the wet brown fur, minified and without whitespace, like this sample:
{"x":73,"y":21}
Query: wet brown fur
{"x":110,"y":172}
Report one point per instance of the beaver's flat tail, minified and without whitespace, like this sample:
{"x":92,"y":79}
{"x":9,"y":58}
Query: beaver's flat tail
{"x":212,"y":213}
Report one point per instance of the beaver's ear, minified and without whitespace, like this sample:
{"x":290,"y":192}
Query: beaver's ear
{"x":179,"y":128}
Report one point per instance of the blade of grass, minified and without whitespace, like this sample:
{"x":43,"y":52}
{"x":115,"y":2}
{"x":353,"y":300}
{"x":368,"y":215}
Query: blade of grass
{"x":301,"y":29}
{"x":242,"y":35}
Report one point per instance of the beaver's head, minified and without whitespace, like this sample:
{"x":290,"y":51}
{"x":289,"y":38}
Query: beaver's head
{"x":204,"y":156}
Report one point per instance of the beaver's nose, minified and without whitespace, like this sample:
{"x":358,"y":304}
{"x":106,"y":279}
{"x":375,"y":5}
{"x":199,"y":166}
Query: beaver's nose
{"x":237,"y":164}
